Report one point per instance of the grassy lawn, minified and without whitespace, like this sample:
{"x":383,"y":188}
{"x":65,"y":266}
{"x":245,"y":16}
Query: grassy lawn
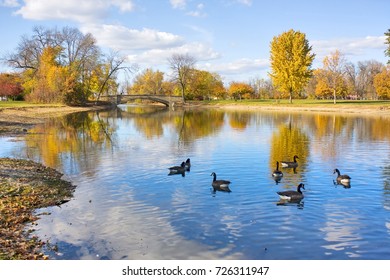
{"x":23,"y":104}
{"x":300,"y":102}
{"x":245,"y":102}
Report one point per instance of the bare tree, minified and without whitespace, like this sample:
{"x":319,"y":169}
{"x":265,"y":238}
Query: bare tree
{"x":76,"y":46}
{"x":29,"y":50}
{"x":365,"y":80}
{"x":334,"y":65}
{"x":113,"y":64}
{"x":351,"y":78}
{"x":182,"y":65}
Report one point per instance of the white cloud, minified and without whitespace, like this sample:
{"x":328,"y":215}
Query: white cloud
{"x":349,"y":46}
{"x":198,"y":12}
{"x":178,"y":4}
{"x":9,"y":3}
{"x":76,"y":10}
{"x":147,"y":47}
{"x":121,"y":38}
{"x":239,"y":66}
{"x":245,"y":2}
{"x":123,"y":5}
{"x":154,"y":57}
{"x":239,"y":70}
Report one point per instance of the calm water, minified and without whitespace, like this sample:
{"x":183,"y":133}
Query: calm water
{"x":127,"y":207}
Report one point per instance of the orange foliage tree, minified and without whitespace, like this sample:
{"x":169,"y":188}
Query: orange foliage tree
{"x":382,"y":83}
{"x":238,"y":90}
{"x":10,"y":85}
{"x":204,"y":85}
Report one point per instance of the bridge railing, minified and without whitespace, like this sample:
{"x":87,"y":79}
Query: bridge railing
{"x":168,"y":100}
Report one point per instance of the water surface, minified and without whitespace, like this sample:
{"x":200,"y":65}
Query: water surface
{"x":127,"y":207}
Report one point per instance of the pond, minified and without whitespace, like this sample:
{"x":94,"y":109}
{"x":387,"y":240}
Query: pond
{"x":126,"y":206}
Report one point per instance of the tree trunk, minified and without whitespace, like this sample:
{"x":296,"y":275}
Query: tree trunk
{"x":291,"y":93}
{"x":182,"y":95}
{"x":334,"y":96}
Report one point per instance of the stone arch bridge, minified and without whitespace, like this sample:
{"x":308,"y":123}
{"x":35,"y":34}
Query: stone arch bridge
{"x":167,"y":100}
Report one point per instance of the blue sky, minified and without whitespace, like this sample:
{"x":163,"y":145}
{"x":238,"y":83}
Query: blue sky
{"x":230,"y":37}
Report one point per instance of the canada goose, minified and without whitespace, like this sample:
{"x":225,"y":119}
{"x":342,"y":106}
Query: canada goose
{"x":290,"y":163}
{"x":342,"y":179}
{"x":221,"y":185}
{"x":188,"y":164}
{"x":277,"y":173}
{"x":177,"y":169}
{"x":292,"y":195}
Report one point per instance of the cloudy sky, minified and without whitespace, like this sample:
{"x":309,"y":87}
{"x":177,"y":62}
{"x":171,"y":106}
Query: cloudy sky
{"x":230,"y":37}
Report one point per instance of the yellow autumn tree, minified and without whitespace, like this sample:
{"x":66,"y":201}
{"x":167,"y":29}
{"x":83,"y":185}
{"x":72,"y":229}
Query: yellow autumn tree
{"x":204,"y":84}
{"x":148,"y":82}
{"x":328,"y":86}
{"x":382,"y":83}
{"x":334,"y":69}
{"x":49,"y":79}
{"x":238,"y":90}
{"x":291,"y":60}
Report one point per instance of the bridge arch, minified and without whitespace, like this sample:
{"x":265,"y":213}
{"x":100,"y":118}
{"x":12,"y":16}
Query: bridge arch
{"x":124,"y":98}
{"x":168,"y":101}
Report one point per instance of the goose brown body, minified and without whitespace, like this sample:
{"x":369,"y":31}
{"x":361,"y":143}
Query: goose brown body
{"x":222,"y":185}
{"x":292,"y":195}
{"x":342,"y":178}
{"x":178,"y":169}
{"x":291,"y":164}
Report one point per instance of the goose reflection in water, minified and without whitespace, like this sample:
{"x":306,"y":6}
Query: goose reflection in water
{"x":299,"y":203}
{"x":221,"y":189}
{"x":345,"y":185}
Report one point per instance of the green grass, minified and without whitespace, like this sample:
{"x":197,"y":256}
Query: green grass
{"x":299,"y":102}
{"x":23,"y":104}
{"x":247,"y":102}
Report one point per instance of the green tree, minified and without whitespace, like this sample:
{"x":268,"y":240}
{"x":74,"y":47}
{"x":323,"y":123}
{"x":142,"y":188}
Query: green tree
{"x":387,"y":51}
{"x":204,"y":84}
{"x":291,"y":61}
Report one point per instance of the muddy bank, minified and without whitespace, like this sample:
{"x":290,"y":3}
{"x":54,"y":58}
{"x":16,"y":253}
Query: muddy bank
{"x":17,"y":121}
{"x":24,"y":187}
{"x":351,"y":109}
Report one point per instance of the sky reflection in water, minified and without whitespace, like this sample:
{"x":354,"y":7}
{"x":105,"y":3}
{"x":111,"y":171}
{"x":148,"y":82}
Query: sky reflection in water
{"x":127,"y":207}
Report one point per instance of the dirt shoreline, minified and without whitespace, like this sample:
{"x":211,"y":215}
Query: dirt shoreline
{"x":367,"y":110}
{"x":17,"y":121}
{"x":26,"y":185}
